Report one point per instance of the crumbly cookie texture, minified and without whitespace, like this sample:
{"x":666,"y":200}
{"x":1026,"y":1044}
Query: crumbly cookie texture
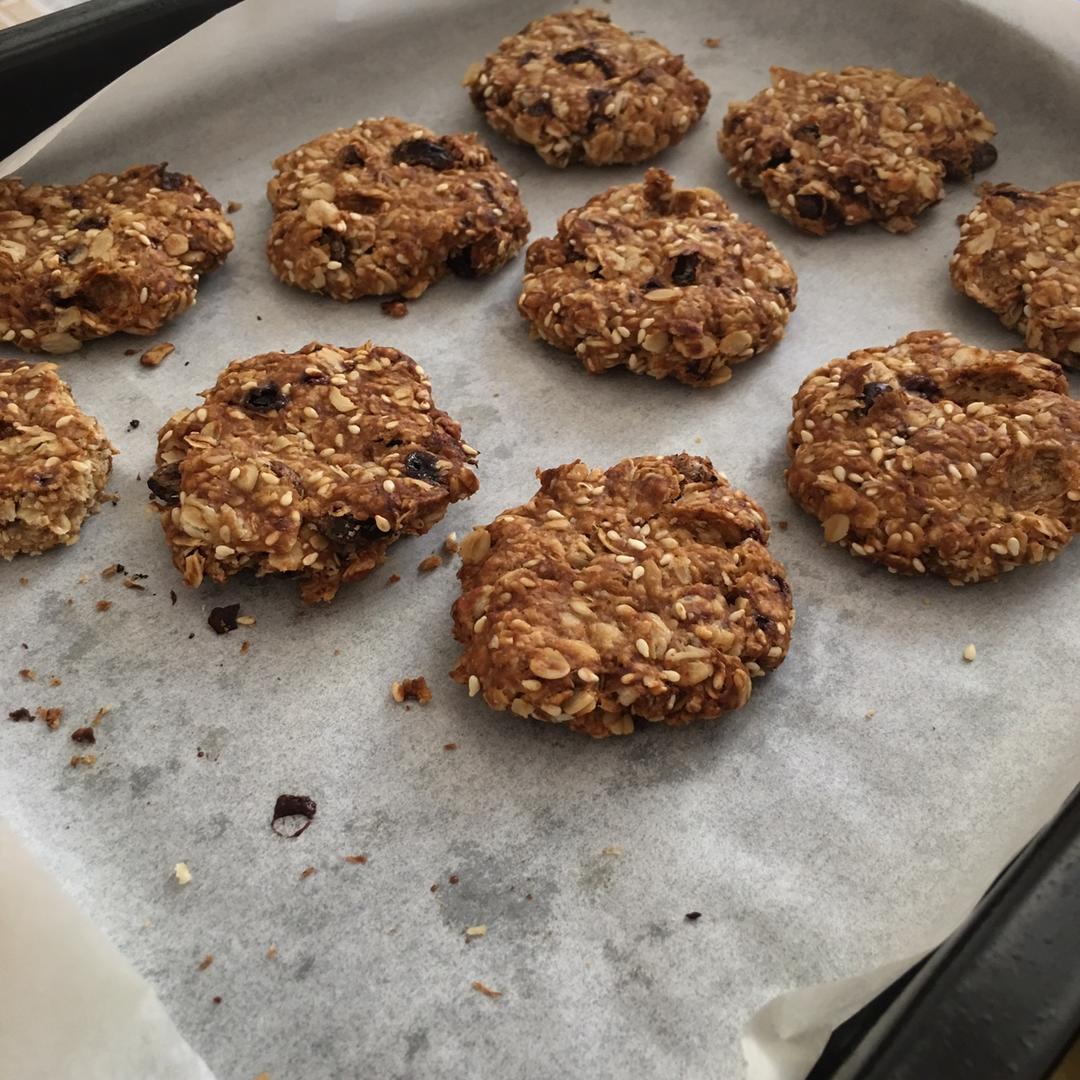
{"x":666,"y":281}
{"x":646,"y":591}
{"x":1019,"y":255}
{"x":309,"y":463}
{"x":577,"y":88}
{"x":932,"y":456}
{"x":116,"y":253}
{"x":54,"y":460}
{"x":862,"y":144}
{"x":388,"y":207}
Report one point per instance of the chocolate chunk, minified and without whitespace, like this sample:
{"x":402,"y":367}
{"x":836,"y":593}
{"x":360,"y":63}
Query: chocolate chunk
{"x":585,"y":55}
{"x":540,"y":107}
{"x":421,"y":465}
{"x":425,"y":152}
{"x":872,"y":391}
{"x":922,"y":385}
{"x":21,"y":715}
{"x":810,"y":207}
{"x":268,"y":398}
{"x":164,"y":484}
{"x":83,"y":735}
{"x":460,"y":262}
{"x":350,"y":155}
{"x":170,"y":181}
{"x":693,"y":916}
{"x":93,"y":221}
{"x":685,"y":272}
{"x":983,"y":156}
{"x":349,"y":531}
{"x":222,"y":620}
{"x":288,"y":806}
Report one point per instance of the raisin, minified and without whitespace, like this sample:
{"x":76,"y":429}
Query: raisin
{"x":349,"y":531}
{"x":337,"y":247}
{"x":425,"y":152}
{"x":781,"y":584}
{"x":829,"y":99}
{"x":460,"y":262}
{"x":43,"y":479}
{"x":983,"y":156}
{"x":281,"y":470}
{"x":164,"y":484}
{"x":315,"y":378}
{"x":542,"y":107}
{"x":170,"y":181}
{"x":525,"y":57}
{"x":83,"y":735}
{"x":811,"y":207}
{"x":21,"y":716}
{"x":268,"y":398}
{"x":222,"y":620}
{"x":350,"y":155}
{"x":92,"y":221}
{"x":598,"y":98}
{"x":585,"y":55}
{"x":651,"y":284}
{"x":421,"y":465}
{"x":922,"y":385}
{"x":763,"y":621}
{"x":7,"y":429}
{"x":872,"y":391}
{"x":781,"y":155}
{"x":785,"y":292}
{"x":686,"y":265}
{"x":807,"y":133}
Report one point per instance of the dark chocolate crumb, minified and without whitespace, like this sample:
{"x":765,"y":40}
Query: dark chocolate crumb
{"x":693,"y":916}
{"x":216,"y":999}
{"x":222,"y":620}
{"x":420,"y":465}
{"x":292,"y":806}
{"x":83,"y":735}
{"x":21,"y":715}
{"x":132,"y":425}
{"x":453,"y":879}
{"x":172,"y":597}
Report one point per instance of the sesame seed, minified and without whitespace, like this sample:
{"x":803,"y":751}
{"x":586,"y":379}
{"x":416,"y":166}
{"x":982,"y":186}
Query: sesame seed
{"x":969,"y":653}
{"x":381,"y":523}
{"x":642,"y":647}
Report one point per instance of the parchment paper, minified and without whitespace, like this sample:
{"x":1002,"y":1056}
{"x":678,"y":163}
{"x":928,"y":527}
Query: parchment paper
{"x":818,"y":842}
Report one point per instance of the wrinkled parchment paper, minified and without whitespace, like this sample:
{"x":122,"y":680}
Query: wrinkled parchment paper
{"x":842,"y":823}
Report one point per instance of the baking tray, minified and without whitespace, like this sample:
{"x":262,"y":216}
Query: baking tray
{"x":629,"y":970}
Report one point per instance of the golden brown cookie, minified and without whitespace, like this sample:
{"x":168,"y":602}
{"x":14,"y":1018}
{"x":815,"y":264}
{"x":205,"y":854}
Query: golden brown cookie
{"x":54,"y":460}
{"x":862,"y":144}
{"x":932,"y":456}
{"x":646,"y":591}
{"x":116,"y":253}
{"x":667,"y":282}
{"x":388,"y":207}
{"x":576,"y":87}
{"x":1019,"y":255}
{"x":309,"y":463}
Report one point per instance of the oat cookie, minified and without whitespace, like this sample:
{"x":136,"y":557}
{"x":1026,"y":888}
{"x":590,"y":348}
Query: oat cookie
{"x":667,"y":282}
{"x":578,"y":88}
{"x":932,"y":456}
{"x":646,"y":591}
{"x":116,"y":253}
{"x":388,"y":207}
{"x":1019,"y":255}
{"x":310,"y":463}
{"x":862,"y":144}
{"x":54,"y":460}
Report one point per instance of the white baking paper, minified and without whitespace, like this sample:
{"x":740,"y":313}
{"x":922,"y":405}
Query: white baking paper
{"x":842,"y":823}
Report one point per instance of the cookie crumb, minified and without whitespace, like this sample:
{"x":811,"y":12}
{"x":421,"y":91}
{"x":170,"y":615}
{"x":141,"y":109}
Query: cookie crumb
{"x":453,"y":879}
{"x":450,"y":746}
{"x":82,"y":759}
{"x":415,"y":689}
{"x":870,"y":714}
{"x":216,"y":999}
{"x":782,"y":525}
{"x":103,"y":605}
{"x":29,"y":674}
{"x":232,"y":208}
{"x":83,"y":735}
{"x":132,"y":425}
{"x":613,"y":850}
{"x":308,"y":872}
{"x":100,"y":715}
{"x":55,"y":681}
{"x":21,"y":716}
{"x":432,"y":562}
{"x":131,"y":583}
{"x":156,"y":353}
{"x":245,"y":648}
{"x":293,"y":806}
{"x":112,"y":570}
{"x":450,"y":545}
{"x":711,"y":42}
{"x":396,"y":308}
{"x":182,"y":873}
{"x":51,"y":717}
{"x":357,"y":860}
{"x":475,"y":931}
{"x":969,"y":653}
{"x":205,"y":962}
{"x":486,"y":990}
{"x":271,"y":953}
{"x":393,"y":579}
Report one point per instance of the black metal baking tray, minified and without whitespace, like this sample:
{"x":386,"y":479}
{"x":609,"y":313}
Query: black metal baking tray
{"x":1001,"y":997}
